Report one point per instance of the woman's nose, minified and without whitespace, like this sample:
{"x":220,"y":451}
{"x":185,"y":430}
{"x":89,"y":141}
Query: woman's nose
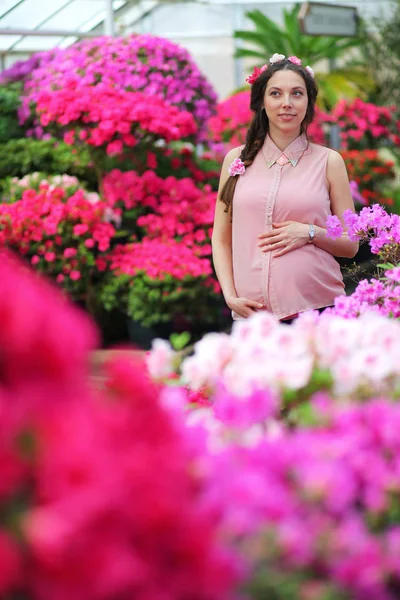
{"x":286,"y":101}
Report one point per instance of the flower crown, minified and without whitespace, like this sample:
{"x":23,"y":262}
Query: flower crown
{"x":274,"y":59}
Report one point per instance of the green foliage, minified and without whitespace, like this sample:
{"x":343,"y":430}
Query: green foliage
{"x":381,"y":52}
{"x":21,"y":157}
{"x":268,"y":38}
{"x":9,"y":103}
{"x":153,"y":301}
{"x":274,"y":583}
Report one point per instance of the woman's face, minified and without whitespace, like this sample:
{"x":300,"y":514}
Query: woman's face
{"x":286,"y":102}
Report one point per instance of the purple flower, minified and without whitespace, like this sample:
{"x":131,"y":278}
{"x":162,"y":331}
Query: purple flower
{"x":334,"y":227}
{"x":355,"y":192}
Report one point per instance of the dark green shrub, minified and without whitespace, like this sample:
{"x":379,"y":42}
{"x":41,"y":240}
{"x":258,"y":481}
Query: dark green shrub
{"x":9,"y":103}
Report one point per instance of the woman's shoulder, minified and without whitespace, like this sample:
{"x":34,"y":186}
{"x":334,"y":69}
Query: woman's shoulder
{"x":333,"y":155}
{"x":319,"y":148}
{"x":233,"y":153}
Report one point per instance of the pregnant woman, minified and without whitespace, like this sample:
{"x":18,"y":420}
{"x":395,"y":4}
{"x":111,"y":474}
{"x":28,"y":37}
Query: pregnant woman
{"x":270,"y":248}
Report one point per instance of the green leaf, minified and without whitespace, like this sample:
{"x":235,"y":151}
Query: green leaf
{"x":180,"y":340}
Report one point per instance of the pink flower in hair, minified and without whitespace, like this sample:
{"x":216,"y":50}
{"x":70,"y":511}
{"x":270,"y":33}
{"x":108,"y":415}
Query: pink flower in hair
{"x":236,"y":168}
{"x":256,"y":74}
{"x":294,"y":60}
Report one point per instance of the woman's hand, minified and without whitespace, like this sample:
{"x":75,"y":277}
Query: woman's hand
{"x":243,"y":306}
{"x":284,"y":237}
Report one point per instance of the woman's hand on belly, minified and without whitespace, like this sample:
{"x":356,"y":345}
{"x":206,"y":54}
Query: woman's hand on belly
{"x":243,"y":306}
{"x":284,"y":237}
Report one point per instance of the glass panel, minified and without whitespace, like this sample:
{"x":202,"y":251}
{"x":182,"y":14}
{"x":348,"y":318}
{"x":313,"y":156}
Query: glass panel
{"x":67,"y":42}
{"x":30,"y":14}
{"x":72,"y":16}
{"x":31,"y":43}
{"x":6,"y":5}
{"x":6,"y":41}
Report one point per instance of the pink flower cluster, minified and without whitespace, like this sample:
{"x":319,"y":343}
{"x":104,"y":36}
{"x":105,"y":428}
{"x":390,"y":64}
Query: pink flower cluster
{"x":377,"y":295}
{"x":111,"y":117}
{"x":374,"y":224}
{"x":363,"y":124}
{"x":174,"y":208}
{"x":158,"y":259}
{"x":114,"y":504}
{"x":237,"y":167}
{"x":134,"y":63}
{"x":62,"y":234}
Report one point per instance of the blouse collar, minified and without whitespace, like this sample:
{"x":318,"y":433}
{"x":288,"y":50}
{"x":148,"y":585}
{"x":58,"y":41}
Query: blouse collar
{"x":293,"y":152}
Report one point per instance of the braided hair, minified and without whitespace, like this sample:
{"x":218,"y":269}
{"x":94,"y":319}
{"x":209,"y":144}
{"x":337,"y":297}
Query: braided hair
{"x":259,"y":126}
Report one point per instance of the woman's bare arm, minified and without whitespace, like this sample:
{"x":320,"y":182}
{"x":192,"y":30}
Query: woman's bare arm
{"x":222,"y":247}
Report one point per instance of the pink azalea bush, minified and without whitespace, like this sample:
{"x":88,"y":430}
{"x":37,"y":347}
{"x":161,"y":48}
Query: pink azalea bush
{"x":164,"y":208}
{"x":382,"y":232}
{"x":369,"y":175}
{"x":166,"y":270}
{"x":111,"y":118}
{"x":365,"y":126}
{"x":372,"y":224}
{"x":134,"y":63}
{"x":100,"y":493}
{"x":156,"y":280}
{"x":62,"y":232}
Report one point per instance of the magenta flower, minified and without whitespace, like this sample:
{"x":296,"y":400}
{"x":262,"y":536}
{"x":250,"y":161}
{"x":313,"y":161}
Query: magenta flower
{"x":334,"y":227}
{"x":295,"y":60}
{"x":256,"y":74}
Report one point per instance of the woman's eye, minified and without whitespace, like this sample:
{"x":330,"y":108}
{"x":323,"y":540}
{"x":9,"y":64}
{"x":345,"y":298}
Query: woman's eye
{"x":275,"y":93}
{"x":298,"y":93}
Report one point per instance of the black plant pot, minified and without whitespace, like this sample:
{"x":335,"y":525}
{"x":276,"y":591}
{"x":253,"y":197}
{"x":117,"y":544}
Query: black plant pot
{"x":142,"y":336}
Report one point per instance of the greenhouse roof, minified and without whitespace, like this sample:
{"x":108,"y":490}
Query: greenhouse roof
{"x":27,"y":26}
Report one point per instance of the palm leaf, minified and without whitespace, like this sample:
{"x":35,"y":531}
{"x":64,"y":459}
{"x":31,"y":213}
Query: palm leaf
{"x":254,"y":37}
{"x":275,"y":37}
{"x":292,"y":29}
{"x":247,"y":53}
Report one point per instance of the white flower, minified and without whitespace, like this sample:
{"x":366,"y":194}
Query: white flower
{"x":160,"y":359}
{"x":310,"y":70}
{"x":110,"y":216}
{"x":276,"y":58}
{"x":211,"y":354}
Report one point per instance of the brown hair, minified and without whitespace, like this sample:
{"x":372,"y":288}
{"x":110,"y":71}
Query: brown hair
{"x":260,"y":125}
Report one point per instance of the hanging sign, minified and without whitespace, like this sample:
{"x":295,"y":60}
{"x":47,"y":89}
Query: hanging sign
{"x":318,"y":18}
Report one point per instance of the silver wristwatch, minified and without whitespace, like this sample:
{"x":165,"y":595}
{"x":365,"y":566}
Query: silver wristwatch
{"x":311,"y":233}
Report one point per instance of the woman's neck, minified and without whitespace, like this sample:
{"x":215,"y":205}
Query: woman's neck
{"x":282,"y":140}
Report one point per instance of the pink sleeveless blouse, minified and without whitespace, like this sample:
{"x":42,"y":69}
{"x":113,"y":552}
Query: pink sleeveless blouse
{"x":269,"y":192}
